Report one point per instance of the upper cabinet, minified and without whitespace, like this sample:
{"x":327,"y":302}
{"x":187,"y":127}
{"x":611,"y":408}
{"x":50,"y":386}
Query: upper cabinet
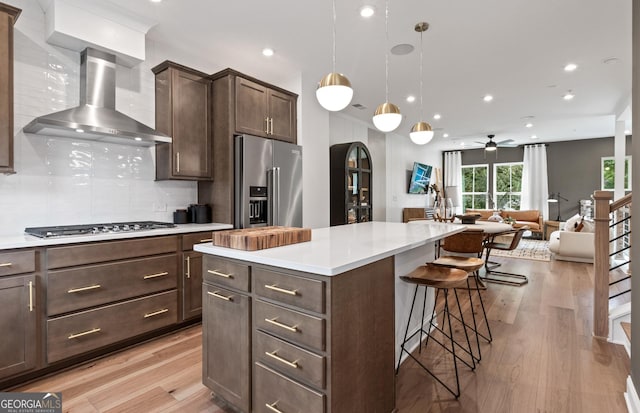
{"x":264,"y":111}
{"x":183,"y":111}
{"x":8,"y":16}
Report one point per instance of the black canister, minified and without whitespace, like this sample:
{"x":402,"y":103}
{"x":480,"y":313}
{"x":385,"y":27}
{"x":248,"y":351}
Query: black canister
{"x":180,"y":216}
{"x":201,"y":214}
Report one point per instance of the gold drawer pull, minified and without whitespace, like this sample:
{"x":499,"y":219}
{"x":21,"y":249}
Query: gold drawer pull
{"x":30,"y":296}
{"x":273,"y":407}
{"x":207,"y":240}
{"x":218,"y":295}
{"x":166,"y":310}
{"x":274,"y":355}
{"x":274,"y":287}
{"x":220,"y":274}
{"x":84,"y":333}
{"x":6,"y":264}
{"x":273,"y":321}
{"x":77,"y":290}
{"x":156,"y":275}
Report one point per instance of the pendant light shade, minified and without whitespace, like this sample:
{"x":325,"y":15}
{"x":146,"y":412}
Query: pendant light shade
{"x":421,"y":133}
{"x":334,"y":92}
{"x":387,"y":117}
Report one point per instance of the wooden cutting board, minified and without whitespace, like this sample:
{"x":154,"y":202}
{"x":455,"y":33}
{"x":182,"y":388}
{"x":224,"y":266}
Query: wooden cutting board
{"x":253,"y":239}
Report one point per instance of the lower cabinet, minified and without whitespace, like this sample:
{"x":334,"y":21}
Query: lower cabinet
{"x":226,"y":340}
{"x":18,"y":323}
{"x":192,"y":275}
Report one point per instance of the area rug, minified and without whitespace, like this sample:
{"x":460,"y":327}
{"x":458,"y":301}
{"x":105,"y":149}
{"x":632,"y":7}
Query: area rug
{"x":528,"y":249}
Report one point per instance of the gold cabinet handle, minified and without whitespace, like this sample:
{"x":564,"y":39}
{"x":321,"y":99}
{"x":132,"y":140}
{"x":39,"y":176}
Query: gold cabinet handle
{"x":266,"y":125}
{"x":178,"y":162}
{"x":275,"y":287}
{"x":188,"y":272}
{"x":271,"y":126}
{"x":274,"y":355}
{"x":273,"y":407}
{"x":30,"y":296}
{"x":220,"y":296}
{"x":206,"y":240}
{"x":6,"y":264}
{"x":84,"y":333}
{"x":273,"y":321}
{"x":220,"y":274}
{"x":77,"y":290}
{"x":166,"y":310}
{"x":156,"y":275}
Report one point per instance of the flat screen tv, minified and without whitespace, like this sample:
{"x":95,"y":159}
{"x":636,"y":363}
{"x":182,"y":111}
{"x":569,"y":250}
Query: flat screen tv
{"x":420,"y":178}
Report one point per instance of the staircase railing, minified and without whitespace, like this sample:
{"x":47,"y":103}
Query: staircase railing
{"x":612,"y":248}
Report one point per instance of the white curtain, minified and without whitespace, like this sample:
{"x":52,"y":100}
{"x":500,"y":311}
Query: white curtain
{"x":535,"y":183}
{"x":453,"y":172}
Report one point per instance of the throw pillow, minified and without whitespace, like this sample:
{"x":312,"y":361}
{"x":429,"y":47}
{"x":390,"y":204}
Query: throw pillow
{"x":572,"y":223}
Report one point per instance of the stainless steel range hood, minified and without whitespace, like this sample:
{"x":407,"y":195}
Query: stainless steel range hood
{"x":96,"y":118}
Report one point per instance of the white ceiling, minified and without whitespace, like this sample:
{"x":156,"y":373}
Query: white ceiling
{"x":512,"y":49}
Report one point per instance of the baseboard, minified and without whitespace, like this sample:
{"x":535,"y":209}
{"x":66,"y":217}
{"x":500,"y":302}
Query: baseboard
{"x":631,"y":397}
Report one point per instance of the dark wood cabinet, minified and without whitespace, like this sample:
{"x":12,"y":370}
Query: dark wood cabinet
{"x":8,"y":16}
{"x":351,"y":184}
{"x":226,"y":338}
{"x":242,"y":105}
{"x":183,"y":111}
{"x":192,"y":274}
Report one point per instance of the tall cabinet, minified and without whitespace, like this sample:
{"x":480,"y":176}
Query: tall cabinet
{"x":351,"y":183}
{"x":8,"y":16}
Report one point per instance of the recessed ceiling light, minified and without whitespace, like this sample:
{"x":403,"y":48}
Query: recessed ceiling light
{"x":570,"y":67}
{"x":137,"y":138}
{"x":437,"y":116}
{"x":568,"y":96}
{"x":267,"y":51}
{"x":155,"y":1}
{"x":367,"y":11}
{"x":445,"y":135}
{"x":411,"y":98}
{"x":529,"y":125}
{"x":487,"y":98}
{"x":80,"y":130}
{"x":534,"y":137}
{"x":627,"y":132}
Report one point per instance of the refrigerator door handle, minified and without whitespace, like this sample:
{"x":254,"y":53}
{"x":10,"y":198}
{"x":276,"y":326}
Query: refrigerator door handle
{"x":270,"y":196}
{"x":276,"y":196}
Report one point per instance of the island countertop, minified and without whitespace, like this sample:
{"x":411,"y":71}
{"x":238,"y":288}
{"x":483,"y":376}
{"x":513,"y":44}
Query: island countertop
{"x":335,"y":250}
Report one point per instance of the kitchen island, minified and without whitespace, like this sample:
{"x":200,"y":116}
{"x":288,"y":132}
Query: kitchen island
{"x":312,"y":326}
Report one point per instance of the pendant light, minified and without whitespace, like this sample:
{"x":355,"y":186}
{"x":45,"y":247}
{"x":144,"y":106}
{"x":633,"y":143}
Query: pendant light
{"x":387,"y":116}
{"x":421,"y":133}
{"x":334,"y":91}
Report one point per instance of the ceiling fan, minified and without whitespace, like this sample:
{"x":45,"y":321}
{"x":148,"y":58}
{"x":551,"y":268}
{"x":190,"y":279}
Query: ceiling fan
{"x":492,"y":145}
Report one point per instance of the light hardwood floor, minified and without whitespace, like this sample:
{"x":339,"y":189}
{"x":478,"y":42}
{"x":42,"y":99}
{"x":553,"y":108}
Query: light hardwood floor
{"x":542,"y":359}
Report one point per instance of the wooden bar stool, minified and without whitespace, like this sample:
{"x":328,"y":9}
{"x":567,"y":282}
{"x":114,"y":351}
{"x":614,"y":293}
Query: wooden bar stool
{"x":468,"y":242}
{"x":443,"y":279}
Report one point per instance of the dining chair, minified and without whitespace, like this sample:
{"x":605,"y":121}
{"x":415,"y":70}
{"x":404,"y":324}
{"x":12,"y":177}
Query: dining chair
{"x":491,"y":244}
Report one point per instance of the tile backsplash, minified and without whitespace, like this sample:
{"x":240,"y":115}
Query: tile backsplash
{"x":62,"y":181}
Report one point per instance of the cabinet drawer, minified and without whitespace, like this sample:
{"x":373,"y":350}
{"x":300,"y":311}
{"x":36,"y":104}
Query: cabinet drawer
{"x":17,"y":262}
{"x":59,"y":257}
{"x":89,"y":286}
{"x":301,"y":292}
{"x":81,"y":332}
{"x":291,"y":325}
{"x":281,"y":393}
{"x":290,"y":360}
{"x":188,"y":240}
{"x":226,"y":273}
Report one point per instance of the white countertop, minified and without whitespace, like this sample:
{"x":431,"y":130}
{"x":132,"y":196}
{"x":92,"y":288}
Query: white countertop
{"x":27,"y":241}
{"x":335,"y":250}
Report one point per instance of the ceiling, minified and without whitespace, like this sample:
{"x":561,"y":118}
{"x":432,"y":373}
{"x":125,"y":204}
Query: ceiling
{"x":514,"y":50}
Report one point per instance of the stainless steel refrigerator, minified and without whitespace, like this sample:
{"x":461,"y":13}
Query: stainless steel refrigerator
{"x":268,"y":183}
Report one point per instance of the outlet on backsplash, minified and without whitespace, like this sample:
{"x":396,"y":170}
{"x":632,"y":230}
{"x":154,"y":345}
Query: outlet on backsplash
{"x":159,"y":207}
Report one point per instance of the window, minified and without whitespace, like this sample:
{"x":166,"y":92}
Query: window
{"x":507,"y":185}
{"x":608,"y":173}
{"x":475,"y":184}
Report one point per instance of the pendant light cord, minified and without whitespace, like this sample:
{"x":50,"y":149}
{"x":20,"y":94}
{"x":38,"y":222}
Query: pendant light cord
{"x":386,"y":51}
{"x":334,"y":37}
{"x":421,"y":76}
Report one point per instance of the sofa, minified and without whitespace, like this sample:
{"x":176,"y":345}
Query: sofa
{"x":529,"y":217}
{"x":569,"y":245}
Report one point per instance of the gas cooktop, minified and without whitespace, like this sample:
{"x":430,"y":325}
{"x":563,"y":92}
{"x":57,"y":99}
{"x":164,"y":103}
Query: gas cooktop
{"x":88,"y":229}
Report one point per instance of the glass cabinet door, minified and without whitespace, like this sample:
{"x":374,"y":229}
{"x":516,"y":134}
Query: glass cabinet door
{"x":364,"y":160}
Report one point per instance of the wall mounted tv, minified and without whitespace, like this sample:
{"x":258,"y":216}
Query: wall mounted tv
{"x":420,"y":178}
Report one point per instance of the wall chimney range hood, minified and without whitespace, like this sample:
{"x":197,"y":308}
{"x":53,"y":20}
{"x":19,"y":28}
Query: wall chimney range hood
{"x":96,"y":117}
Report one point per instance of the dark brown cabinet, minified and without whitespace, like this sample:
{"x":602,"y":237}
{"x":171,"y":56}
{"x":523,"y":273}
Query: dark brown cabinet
{"x":242,"y":104}
{"x":351,"y":183}
{"x":226,"y":332}
{"x":192,"y":274}
{"x":183,"y":111}
{"x":8,"y":16}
